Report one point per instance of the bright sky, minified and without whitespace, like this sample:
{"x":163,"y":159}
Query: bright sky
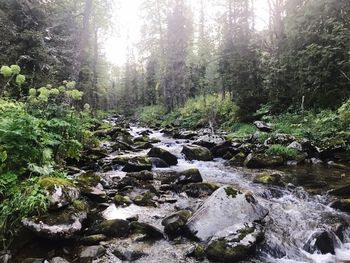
{"x":127,"y":16}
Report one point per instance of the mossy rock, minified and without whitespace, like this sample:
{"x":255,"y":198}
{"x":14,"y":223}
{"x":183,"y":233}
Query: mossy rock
{"x":165,"y":155}
{"x":194,"y":152}
{"x":145,"y":199}
{"x":197,"y":252}
{"x":122,"y":200}
{"x":200,"y":189}
{"x":238,"y":159}
{"x":113,"y":228}
{"x":89,"y":179}
{"x":147,"y":230}
{"x":342,"y":205}
{"x":259,"y":160}
{"x":142,"y":176}
{"x":138,"y":164}
{"x":93,"y":239}
{"x":269,"y":179}
{"x":175,"y":224}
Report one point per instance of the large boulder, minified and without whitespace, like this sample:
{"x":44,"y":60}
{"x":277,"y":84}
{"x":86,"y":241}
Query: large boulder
{"x":149,"y":231}
{"x":323,"y":241}
{"x":226,"y":207}
{"x":195,"y":152}
{"x":168,"y":157}
{"x":138,"y":164}
{"x":223,"y":148}
{"x":112,"y":228}
{"x":175,"y":223}
{"x":61,"y":224}
{"x":90,"y":185}
{"x":60,"y":192}
{"x":260,"y":160}
{"x":199,"y":189}
{"x":181,"y":178}
{"x":235,"y":243}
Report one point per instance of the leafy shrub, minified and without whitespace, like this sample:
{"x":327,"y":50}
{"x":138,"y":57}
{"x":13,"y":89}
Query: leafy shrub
{"x":150,"y":115}
{"x":241,"y":131}
{"x":280,"y":150}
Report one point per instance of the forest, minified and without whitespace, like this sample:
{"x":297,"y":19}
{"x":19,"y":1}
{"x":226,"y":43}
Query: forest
{"x":174,"y":131}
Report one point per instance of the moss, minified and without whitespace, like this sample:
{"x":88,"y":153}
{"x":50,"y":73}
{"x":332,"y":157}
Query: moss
{"x":231,"y":191}
{"x":222,"y":251}
{"x":80,"y":205}
{"x":89,"y":179}
{"x":266,"y":178}
{"x":121,"y":200}
{"x":48,"y":182}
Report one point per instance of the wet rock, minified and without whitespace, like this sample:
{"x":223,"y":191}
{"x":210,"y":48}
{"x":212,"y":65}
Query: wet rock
{"x":122,"y":146}
{"x":197,"y":252}
{"x":147,"y":230}
{"x":61,"y":224}
{"x":338,"y":165}
{"x":209,"y":141}
{"x":33,"y":260}
{"x":221,"y":149}
{"x":96,"y":193}
{"x":158,"y":163}
{"x":186,"y":135}
{"x":235,"y":243}
{"x":259,"y":160}
{"x":341,"y":191}
{"x":113,"y":228}
{"x":322,"y":241}
{"x":342,"y":205}
{"x":263,"y":126}
{"x":60,"y":192}
{"x":269,"y":179}
{"x":128,"y":182}
{"x":200,"y":189}
{"x":195,"y":152}
{"x":181,"y":178}
{"x":128,"y":254}
{"x":227,"y":156}
{"x":238,"y":159}
{"x":122,"y":200}
{"x":168,"y":157}
{"x":138,"y":164}
{"x":58,"y":260}
{"x":92,"y":252}
{"x":316,"y":161}
{"x":93,"y":239}
{"x":145,"y":198}
{"x":142,"y":176}
{"x":174,"y":224}
{"x":143,"y":145}
{"x":224,"y":208}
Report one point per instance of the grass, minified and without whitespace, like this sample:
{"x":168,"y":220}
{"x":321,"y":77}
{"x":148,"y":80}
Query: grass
{"x":281,"y":150}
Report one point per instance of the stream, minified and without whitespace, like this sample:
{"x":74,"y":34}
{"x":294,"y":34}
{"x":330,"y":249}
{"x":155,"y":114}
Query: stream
{"x":294,"y":213}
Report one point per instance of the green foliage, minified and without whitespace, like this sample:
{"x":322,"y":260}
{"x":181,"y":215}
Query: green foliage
{"x":150,"y":114}
{"x":280,"y":150}
{"x":241,"y":131}
{"x":20,"y":79}
{"x":6,"y":71}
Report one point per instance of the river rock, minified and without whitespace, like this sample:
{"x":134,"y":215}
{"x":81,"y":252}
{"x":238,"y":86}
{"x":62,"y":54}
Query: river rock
{"x":175,"y":223}
{"x":158,"y":163}
{"x":138,"y":164}
{"x":238,"y":159}
{"x":92,"y":252}
{"x":60,"y":192}
{"x":58,"y":260}
{"x":168,"y":157}
{"x":224,"y":148}
{"x":122,"y":146}
{"x":224,"y":208}
{"x":113,"y":228}
{"x":269,"y":179}
{"x":296,"y":145}
{"x":127,"y":254}
{"x":195,"y":152}
{"x":341,"y":191}
{"x":142,"y":176}
{"x":122,"y":200}
{"x":200,"y":189}
{"x":263,"y":126}
{"x":260,"y":160}
{"x":342,"y":205}
{"x":93,"y":239}
{"x":322,"y":241}
{"x":150,"y":232}
{"x":209,"y":141}
{"x":181,"y":178}
{"x":61,"y":224}
{"x":235,"y":243}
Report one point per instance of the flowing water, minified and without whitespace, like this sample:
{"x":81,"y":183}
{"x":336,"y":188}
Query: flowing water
{"x":294,"y":214}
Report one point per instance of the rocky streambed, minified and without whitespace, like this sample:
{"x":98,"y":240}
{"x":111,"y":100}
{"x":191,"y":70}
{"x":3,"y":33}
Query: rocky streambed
{"x":145,"y":196}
